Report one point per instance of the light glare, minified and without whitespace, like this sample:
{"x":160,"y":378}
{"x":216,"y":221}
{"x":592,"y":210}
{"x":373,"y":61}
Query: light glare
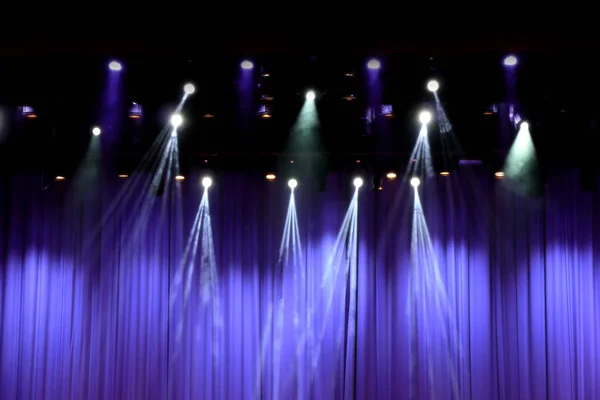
{"x":524,"y":126}
{"x":433,"y":85}
{"x":206,"y":182}
{"x":373,"y":64}
{"x":270,"y":177}
{"x":358,"y":182}
{"x":310,"y":95}
{"x":510,"y":61}
{"x":247,"y":64}
{"x":415,"y":182}
{"x":189,"y":88}
{"x":425,"y":117}
{"x":115,"y":66}
{"x":292,"y":183}
{"x":96,"y":131}
{"x":176,"y":120}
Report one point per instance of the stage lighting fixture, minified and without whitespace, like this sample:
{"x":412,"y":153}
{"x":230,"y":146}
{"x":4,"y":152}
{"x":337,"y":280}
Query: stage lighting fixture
{"x":445,"y":173}
{"x":189,"y":88}
{"x":123,"y":176}
{"x":310,"y":95}
{"x":179,"y":177}
{"x":373,"y":64}
{"x":270,"y":177}
{"x":247,"y":64}
{"x":358,"y":182}
{"x":206,"y":182}
{"x":433,"y":85}
{"x":115,"y":66}
{"x":96,"y":131}
{"x":292,"y":183}
{"x":415,"y":182}
{"x":59,"y":178}
{"x":499,"y":175}
{"x":263,"y":112}
{"x":176,"y":120}
{"x":524,"y":125}
{"x":387,"y":110}
{"x":510,"y":61}
{"x":28,"y":112}
{"x":391,"y":175}
{"x":208,"y":115}
{"x":135,"y":112}
{"x":425,"y":117}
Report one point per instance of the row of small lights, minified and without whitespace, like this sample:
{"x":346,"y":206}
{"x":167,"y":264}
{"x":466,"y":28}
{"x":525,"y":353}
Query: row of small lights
{"x":271,"y":177}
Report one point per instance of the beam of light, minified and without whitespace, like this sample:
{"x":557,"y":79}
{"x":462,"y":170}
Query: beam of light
{"x":521,"y":164}
{"x":305,"y":132}
{"x":420,"y":163}
{"x":344,"y":252}
{"x":290,"y":264}
{"x":200,"y":242}
{"x":433,"y":326}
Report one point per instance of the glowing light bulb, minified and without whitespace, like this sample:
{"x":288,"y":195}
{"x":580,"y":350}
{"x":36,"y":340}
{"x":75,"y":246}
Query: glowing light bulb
{"x":358,"y":182}
{"x":206,"y":182}
{"x":433,"y":86}
{"x":176,"y":120}
{"x":425,"y":117}
{"x":310,"y":95}
{"x":292,"y":183}
{"x":96,"y":131}
{"x":189,"y":88}
{"x":415,"y":182}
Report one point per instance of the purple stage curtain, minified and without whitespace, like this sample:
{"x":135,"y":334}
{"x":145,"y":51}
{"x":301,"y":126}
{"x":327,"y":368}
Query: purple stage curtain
{"x":89,"y":313}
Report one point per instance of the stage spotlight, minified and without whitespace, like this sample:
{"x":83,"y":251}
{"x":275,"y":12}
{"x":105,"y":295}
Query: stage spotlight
{"x":59,"y":178}
{"x":247,"y":64}
{"x":425,"y":117}
{"x":433,"y":86}
{"x":115,"y":66}
{"x":96,"y":131}
{"x":292,"y":183}
{"x":510,"y":61}
{"x":179,"y":177}
{"x":189,"y":88}
{"x":135,"y":112}
{"x":391,"y":175}
{"x":176,"y":120}
{"x":28,"y":112}
{"x":206,"y":182}
{"x":524,"y":125}
{"x":445,"y":173}
{"x":310,"y":95}
{"x":373,"y":64}
{"x":358,"y":182}
{"x":499,"y":175}
{"x":415,"y":182}
{"x":270,"y":177}
{"x":123,"y":176}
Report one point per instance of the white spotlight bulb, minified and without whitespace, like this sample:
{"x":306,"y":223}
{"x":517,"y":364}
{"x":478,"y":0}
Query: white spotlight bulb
{"x":189,"y":88}
{"x":524,"y":126}
{"x":292,"y":183}
{"x":358,"y":182}
{"x":206,"y":182}
{"x":425,"y":117}
{"x":310,"y":95}
{"x":114,"y":66}
{"x":96,"y":131}
{"x":433,"y":86}
{"x":415,"y":182}
{"x":176,"y":120}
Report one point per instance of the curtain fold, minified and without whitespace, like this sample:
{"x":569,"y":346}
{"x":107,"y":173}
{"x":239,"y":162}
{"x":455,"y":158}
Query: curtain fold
{"x":100,"y":306}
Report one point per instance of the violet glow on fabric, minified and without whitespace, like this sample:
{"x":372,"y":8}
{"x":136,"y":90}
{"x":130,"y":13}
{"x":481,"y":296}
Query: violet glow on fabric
{"x":521,"y":277}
